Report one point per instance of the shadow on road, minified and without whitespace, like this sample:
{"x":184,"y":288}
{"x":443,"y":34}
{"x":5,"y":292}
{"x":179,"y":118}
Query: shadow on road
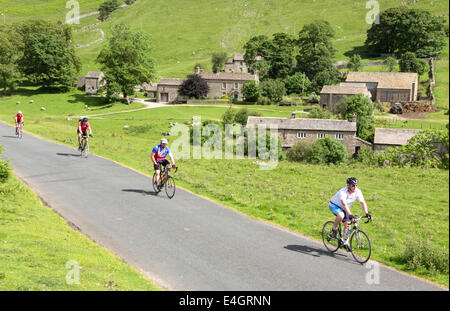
{"x":9,"y":136}
{"x":143,"y":192}
{"x":316,"y":252}
{"x":69,"y":154}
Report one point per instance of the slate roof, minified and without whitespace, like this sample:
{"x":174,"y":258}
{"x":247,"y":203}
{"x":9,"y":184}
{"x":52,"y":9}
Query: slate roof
{"x":95,"y":74}
{"x":305,"y":124}
{"x":385,"y":80}
{"x":340,"y":89}
{"x":170,"y":81}
{"x":384,"y":136}
{"x":237,"y":76}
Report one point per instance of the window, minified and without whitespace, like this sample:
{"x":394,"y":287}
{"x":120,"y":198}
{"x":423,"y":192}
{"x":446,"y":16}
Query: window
{"x":224,"y":85}
{"x":339,"y":136}
{"x":321,"y":135}
{"x":236,"y":85}
{"x":301,"y":135}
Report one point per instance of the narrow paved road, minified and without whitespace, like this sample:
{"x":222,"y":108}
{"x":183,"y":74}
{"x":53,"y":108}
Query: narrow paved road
{"x":187,"y":243}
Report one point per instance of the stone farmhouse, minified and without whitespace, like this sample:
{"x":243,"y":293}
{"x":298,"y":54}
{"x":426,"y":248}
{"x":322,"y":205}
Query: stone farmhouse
{"x":387,"y":86}
{"x":331,"y":95}
{"x":91,"y":82}
{"x":236,"y":64}
{"x":385,"y":138}
{"x":292,"y":130}
{"x":220,"y":84}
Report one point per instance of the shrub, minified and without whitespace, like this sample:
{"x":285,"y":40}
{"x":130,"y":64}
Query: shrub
{"x":328,"y":151}
{"x":297,"y":84}
{"x":5,"y":170}
{"x":320,"y":113}
{"x":228,"y":116}
{"x":194,"y":87}
{"x":366,"y":156}
{"x":382,"y":106}
{"x":300,"y":152}
{"x":270,"y":139}
{"x":251,"y":91}
{"x":273,"y":89}
{"x":419,"y":254}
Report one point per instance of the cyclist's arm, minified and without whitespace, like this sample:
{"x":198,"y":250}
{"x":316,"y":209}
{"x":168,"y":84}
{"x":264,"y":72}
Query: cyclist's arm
{"x":153,"y":158}
{"x":171,"y":159}
{"x":364,"y":207}
{"x":90,"y":130}
{"x":346,"y":209}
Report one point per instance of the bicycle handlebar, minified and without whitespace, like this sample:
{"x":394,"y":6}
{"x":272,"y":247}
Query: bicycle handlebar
{"x":359,"y":217}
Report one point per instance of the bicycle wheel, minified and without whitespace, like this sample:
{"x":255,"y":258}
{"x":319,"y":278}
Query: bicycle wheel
{"x":331,"y":244}
{"x":361,"y":246}
{"x":19,"y":132}
{"x":170,"y":187}
{"x":155,"y":187}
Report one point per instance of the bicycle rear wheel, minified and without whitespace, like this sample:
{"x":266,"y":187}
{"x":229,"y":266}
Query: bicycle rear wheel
{"x":155,"y":187}
{"x":170,"y":187}
{"x":331,"y":244}
{"x":19,"y":132}
{"x":361,"y":246}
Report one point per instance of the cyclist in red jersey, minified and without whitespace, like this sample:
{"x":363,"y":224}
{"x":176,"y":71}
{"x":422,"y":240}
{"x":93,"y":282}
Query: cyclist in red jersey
{"x":18,"y":120}
{"x":83,"y":125}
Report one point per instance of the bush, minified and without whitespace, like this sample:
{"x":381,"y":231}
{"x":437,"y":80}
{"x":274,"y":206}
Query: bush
{"x":273,"y":89}
{"x":297,"y":84}
{"x":228,"y":116}
{"x":328,"y":151}
{"x":251,"y":91}
{"x":382,"y":106}
{"x":5,"y":170}
{"x":194,"y":87}
{"x":366,"y":156}
{"x":320,"y":113}
{"x":300,"y":152}
{"x":421,"y":255}
{"x":241,"y":117}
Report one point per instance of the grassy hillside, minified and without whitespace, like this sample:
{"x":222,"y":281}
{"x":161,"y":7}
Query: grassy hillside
{"x":36,"y":245}
{"x":180,"y":27}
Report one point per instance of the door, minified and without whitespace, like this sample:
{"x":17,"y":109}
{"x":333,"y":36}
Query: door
{"x":164,"y":97}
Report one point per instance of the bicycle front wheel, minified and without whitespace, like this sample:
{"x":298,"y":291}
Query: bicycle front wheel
{"x":170,"y":187}
{"x":361,"y":246}
{"x":331,"y":243}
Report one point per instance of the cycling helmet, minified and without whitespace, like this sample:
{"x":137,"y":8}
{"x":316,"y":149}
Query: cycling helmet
{"x":352,"y":181}
{"x":164,"y":141}
{"x":20,"y":112}
{"x":85,"y":119}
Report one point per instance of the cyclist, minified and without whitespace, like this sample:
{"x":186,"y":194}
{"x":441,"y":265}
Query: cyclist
{"x":18,"y":120}
{"x":83,"y":125}
{"x":341,"y":202}
{"x":159,"y":154}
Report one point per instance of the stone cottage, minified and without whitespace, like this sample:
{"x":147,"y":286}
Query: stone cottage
{"x":388,"y":86}
{"x":292,"y":130}
{"x":227,"y":83}
{"x":386,"y":137}
{"x":91,"y":82}
{"x":167,"y":90}
{"x":331,"y":95}
{"x":236,"y":64}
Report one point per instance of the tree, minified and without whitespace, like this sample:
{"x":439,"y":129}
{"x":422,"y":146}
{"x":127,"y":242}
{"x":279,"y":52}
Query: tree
{"x":320,"y":113}
{"x":280,"y":56}
{"x":251,"y":91}
{"x":361,"y":107}
{"x":410,"y":63}
{"x":355,"y":63}
{"x":241,"y":117}
{"x":218,"y":61}
{"x":126,"y":59}
{"x":11,"y":51}
{"x":256,"y":46}
{"x":299,"y":152}
{"x":49,"y":57}
{"x":194,"y":87}
{"x":273,"y":89}
{"x":228,"y":116}
{"x":328,"y":151}
{"x":397,"y":26}
{"x":318,"y":33}
{"x":390,"y":63}
{"x":297,"y":83}
{"x":106,"y":8}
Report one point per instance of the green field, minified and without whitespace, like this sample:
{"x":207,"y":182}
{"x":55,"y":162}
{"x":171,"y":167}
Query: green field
{"x":298,"y":192}
{"x":37,"y":244}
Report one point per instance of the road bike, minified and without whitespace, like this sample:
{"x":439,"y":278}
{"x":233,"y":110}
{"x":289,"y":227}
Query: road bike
{"x":359,"y":243}
{"x":19,"y":131}
{"x":84,"y":149}
{"x":166,"y":181}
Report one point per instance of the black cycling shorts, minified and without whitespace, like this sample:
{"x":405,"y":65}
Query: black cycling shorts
{"x":164,"y":163}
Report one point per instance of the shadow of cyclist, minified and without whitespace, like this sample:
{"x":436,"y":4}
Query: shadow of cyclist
{"x":143,"y":192}
{"x":317,"y":252}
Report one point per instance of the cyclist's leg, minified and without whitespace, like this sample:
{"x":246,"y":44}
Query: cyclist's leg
{"x":157,"y":171}
{"x":338,"y":212}
{"x":79,"y":138}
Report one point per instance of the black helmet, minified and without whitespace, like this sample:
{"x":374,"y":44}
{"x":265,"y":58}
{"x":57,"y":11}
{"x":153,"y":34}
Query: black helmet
{"x":85,"y":119}
{"x":352,"y":181}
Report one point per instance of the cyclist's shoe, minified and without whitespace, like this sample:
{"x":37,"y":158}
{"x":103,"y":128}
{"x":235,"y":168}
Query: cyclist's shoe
{"x":333,"y":233}
{"x":346,"y":246}
{"x":79,"y":147}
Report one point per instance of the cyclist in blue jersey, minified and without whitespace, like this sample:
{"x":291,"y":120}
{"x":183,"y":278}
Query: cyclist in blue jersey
{"x":159,"y":154}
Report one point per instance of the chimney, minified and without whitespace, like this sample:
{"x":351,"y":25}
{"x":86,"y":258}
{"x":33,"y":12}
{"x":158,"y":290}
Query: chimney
{"x":293,"y":115}
{"x":354,"y":118}
{"x":197,"y":69}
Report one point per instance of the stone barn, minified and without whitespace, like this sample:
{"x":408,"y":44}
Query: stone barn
{"x":167,"y":90}
{"x":386,"y":137}
{"x":388,"y":86}
{"x":332,"y":95}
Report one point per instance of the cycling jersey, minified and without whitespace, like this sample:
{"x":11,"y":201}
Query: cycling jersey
{"x":160,"y":154}
{"x":348,"y":198}
{"x":83,"y":127}
{"x":19,"y":117}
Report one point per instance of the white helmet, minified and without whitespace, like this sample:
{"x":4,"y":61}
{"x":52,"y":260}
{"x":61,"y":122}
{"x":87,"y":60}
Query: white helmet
{"x":20,"y":112}
{"x":164,"y":141}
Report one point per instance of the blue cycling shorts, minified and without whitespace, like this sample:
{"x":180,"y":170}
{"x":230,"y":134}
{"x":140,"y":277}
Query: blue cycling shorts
{"x":336,"y":210}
